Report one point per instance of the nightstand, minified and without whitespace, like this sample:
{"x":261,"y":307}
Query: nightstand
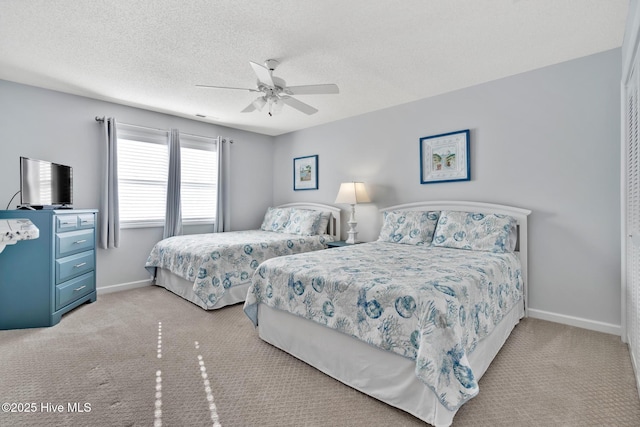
{"x":341,"y":243}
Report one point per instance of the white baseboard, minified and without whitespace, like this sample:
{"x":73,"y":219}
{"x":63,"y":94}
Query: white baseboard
{"x":592,"y":325}
{"x":123,"y":287}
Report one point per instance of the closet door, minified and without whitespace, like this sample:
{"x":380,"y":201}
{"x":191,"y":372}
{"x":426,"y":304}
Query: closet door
{"x":631,"y":215}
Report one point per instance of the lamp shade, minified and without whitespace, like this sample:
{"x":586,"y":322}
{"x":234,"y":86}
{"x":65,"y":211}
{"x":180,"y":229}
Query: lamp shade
{"x":352,"y":193}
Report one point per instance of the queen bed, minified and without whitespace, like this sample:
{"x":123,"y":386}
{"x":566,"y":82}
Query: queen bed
{"x":413,"y":319}
{"x":214,"y":270}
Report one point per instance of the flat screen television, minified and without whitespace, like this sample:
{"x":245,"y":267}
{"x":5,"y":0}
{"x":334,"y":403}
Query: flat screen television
{"x":45,"y":185}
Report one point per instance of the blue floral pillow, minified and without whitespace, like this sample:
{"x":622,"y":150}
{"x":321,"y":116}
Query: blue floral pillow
{"x":475,"y":231}
{"x":304,"y":222}
{"x":408,"y":227}
{"x":276,"y":219}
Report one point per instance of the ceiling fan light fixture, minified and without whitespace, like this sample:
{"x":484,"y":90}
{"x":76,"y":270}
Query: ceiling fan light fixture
{"x":260,"y":102}
{"x":275,"y":106}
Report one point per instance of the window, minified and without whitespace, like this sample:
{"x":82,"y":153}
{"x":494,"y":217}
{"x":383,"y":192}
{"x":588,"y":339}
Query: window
{"x":143,"y":162}
{"x":199,"y":176}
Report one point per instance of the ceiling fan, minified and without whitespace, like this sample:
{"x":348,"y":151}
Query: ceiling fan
{"x":275,"y":93}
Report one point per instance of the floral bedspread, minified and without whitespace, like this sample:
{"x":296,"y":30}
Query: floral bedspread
{"x":432,"y":305}
{"x":217,"y":261}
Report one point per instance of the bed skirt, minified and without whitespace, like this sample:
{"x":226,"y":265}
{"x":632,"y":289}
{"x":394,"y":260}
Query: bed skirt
{"x":184,"y":289}
{"x":383,"y":375}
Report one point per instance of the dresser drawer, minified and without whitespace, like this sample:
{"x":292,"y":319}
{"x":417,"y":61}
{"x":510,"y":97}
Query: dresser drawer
{"x":73,"y":242}
{"x":70,"y":291}
{"x":66,"y":222}
{"x":86,"y":221}
{"x":74,"y":265}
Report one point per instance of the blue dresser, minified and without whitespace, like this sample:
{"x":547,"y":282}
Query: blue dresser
{"x":44,"y":278}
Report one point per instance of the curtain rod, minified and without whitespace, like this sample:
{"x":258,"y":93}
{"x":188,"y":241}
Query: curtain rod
{"x":101,"y":119}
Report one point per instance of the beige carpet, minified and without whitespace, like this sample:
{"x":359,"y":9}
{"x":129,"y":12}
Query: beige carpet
{"x":105,"y":355}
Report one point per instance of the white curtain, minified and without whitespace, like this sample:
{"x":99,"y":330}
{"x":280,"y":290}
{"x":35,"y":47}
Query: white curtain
{"x":173,"y":217}
{"x":109,"y":211}
{"x":222,"y":205}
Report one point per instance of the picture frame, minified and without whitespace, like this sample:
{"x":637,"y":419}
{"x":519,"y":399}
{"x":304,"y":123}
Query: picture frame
{"x":305,"y":173}
{"x":445,"y":157}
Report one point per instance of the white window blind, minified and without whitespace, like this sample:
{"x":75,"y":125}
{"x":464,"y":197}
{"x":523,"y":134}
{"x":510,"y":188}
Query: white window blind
{"x":143,"y":161}
{"x":199,"y":176}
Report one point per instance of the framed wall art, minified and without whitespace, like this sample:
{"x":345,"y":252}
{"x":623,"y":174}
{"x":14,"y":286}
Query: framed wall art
{"x":445,"y":157}
{"x":305,"y":173}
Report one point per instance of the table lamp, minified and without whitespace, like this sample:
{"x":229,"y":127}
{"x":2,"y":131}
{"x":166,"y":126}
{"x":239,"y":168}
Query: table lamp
{"x":352,"y":193}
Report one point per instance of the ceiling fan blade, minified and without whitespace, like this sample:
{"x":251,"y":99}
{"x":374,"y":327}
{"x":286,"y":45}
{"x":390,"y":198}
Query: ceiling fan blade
{"x":226,"y":87}
{"x":263,"y":74}
{"x":312,"y":89}
{"x":298,"y":105}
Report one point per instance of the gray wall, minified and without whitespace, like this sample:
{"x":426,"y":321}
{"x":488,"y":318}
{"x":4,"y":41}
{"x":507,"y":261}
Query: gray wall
{"x":61,"y":128}
{"x":545,"y":140}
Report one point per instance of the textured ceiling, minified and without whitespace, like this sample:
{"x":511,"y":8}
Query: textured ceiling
{"x":152,"y":53}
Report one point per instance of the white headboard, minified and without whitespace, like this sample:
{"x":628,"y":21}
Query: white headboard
{"x":518,"y":213}
{"x":333,"y":229}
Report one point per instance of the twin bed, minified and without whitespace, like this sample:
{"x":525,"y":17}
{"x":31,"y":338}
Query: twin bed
{"x":413,"y":319}
{"x":214,"y":270}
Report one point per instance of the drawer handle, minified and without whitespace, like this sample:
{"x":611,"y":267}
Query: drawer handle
{"x":79,"y":289}
{"x":67,"y":223}
{"x":84,"y":221}
{"x":79,"y":241}
{"x":79,"y":265}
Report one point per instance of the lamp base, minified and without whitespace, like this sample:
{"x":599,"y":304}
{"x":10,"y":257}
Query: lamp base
{"x":353,"y":234}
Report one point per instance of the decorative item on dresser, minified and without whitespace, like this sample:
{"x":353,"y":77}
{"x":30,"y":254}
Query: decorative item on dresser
{"x":14,"y":230}
{"x":44,"y":278}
